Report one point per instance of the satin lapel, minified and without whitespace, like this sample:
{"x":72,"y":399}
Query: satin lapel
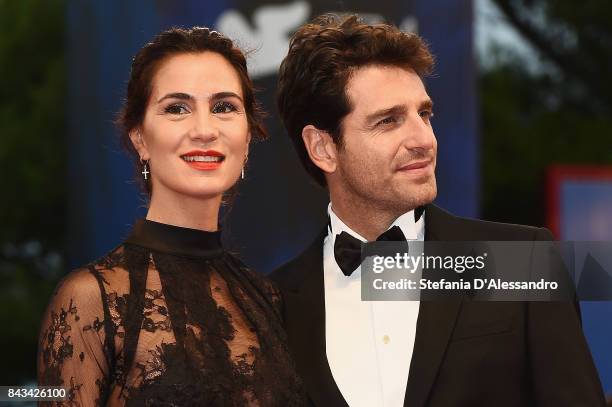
{"x":306,"y":324}
{"x":435,"y":322}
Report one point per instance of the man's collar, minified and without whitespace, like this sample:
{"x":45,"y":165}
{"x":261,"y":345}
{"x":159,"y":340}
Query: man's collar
{"x":412,"y":229}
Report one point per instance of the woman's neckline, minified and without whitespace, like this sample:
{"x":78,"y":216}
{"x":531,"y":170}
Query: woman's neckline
{"x":175,"y":239}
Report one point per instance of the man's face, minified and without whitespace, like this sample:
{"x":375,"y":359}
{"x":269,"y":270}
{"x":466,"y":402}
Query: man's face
{"x":388,"y":156}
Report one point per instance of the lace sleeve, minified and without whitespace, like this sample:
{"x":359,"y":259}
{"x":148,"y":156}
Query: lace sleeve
{"x":71,"y":350}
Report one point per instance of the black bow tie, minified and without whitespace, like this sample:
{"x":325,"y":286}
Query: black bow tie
{"x":347,"y":249}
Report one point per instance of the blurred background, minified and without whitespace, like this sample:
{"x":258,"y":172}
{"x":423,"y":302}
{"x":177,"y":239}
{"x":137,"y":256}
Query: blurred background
{"x":523,"y":96}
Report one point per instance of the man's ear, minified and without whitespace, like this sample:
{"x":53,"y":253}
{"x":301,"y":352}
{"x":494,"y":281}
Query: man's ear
{"x":139,"y":144}
{"x":321,"y":148}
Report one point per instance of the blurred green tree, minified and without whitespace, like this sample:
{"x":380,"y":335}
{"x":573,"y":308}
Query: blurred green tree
{"x":33,"y":156}
{"x":558,"y":113}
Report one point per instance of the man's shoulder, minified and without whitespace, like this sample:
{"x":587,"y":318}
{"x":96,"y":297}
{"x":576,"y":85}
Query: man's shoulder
{"x":447,"y":226}
{"x":291,"y":274}
{"x":487,"y":230}
{"x":287,"y":274}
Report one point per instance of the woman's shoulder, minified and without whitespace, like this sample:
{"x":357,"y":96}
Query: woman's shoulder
{"x":78,"y":284}
{"x":90,"y":293}
{"x":90,"y":282}
{"x":260,"y":280}
{"x":249,"y":271}
{"x":76,"y":302}
{"x":115,"y":260}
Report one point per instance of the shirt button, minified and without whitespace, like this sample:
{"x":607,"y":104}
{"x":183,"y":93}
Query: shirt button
{"x":386,"y":339}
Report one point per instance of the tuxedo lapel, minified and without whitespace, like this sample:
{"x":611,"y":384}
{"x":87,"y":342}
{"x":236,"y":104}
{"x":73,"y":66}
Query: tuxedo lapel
{"x":435,"y":322}
{"x":305,"y":317}
{"x":304,"y":298}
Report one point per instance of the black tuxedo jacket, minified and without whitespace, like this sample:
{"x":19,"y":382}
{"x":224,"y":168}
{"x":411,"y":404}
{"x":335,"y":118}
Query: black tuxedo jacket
{"x":465,"y":353}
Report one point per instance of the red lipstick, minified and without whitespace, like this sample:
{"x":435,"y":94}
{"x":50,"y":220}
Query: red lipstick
{"x":203,"y":160}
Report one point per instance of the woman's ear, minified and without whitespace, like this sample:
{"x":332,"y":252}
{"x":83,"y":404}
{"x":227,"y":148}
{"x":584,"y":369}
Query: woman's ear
{"x":139,"y":144}
{"x":321,"y":148}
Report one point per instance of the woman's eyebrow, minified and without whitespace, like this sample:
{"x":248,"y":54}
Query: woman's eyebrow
{"x":176,"y":95}
{"x":186,"y":96}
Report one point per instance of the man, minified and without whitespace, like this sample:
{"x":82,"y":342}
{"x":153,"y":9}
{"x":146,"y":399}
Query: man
{"x":352,"y":99}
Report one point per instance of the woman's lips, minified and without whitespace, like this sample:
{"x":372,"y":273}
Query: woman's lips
{"x":204,"y":166}
{"x":203,"y":160}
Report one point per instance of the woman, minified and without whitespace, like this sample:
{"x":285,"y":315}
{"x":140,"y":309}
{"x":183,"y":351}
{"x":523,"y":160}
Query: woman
{"x":169,"y":318}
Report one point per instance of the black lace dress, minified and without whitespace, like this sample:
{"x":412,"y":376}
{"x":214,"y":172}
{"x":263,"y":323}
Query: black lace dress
{"x":169,"y":318}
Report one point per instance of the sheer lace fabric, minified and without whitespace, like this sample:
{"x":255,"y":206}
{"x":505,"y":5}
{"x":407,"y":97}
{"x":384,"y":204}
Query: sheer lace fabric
{"x":180,"y":327}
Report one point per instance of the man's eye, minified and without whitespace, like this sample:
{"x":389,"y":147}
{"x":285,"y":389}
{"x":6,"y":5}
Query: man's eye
{"x":177,"y":109}
{"x":426,"y":114}
{"x":223,"y":107}
{"x":387,"y":120}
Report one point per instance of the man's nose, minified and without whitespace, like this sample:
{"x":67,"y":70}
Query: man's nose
{"x":419,"y":134}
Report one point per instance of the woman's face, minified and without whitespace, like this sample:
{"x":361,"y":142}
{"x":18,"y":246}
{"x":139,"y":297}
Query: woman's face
{"x":195,"y":131}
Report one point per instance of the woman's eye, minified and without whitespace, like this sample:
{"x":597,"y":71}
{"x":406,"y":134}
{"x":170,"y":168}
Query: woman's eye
{"x":177,"y":109}
{"x":223,"y":107}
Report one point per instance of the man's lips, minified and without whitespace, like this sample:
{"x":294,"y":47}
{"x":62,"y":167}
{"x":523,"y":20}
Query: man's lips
{"x":416,"y":165}
{"x":205,"y":160}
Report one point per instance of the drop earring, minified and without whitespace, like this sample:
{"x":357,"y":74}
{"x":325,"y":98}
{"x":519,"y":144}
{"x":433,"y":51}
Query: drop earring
{"x":145,"y":170}
{"x":244,"y":165}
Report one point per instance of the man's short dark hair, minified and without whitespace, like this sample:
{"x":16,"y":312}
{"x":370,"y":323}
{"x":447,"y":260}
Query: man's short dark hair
{"x":322,"y":55}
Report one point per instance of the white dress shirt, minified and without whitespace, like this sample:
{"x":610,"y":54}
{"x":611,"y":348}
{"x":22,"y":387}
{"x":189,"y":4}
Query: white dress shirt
{"x":369,"y":344}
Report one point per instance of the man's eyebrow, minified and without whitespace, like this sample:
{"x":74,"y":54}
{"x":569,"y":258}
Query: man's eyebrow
{"x":186,"y":96}
{"x":389,"y":111}
{"x":426,"y":105}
